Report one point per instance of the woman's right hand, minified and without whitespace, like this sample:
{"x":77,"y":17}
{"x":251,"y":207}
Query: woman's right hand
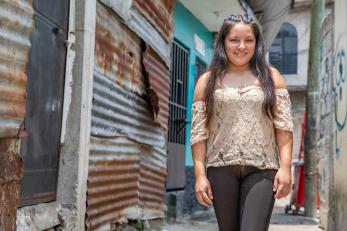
{"x":203,"y":191}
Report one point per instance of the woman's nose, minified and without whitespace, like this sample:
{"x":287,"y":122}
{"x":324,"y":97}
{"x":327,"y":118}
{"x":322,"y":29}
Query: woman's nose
{"x":242,"y":45}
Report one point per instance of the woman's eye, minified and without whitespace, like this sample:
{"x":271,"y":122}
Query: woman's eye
{"x":249,"y":40}
{"x":233,"y":40}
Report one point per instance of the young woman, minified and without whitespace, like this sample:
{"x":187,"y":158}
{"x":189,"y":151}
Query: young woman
{"x":242,"y":128}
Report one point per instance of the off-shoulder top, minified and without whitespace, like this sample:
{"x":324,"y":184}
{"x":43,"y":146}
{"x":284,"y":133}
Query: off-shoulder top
{"x":239,"y":132}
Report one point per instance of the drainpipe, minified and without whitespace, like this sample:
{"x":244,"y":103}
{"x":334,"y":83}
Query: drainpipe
{"x":312,"y":110}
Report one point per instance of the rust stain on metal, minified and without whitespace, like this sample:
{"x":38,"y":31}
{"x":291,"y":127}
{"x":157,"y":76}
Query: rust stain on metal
{"x":11,"y":172}
{"x":160,"y":82}
{"x":118,"y":112}
{"x":127,"y":165}
{"x":152,"y":189}
{"x":118,"y":52}
{"x":112,"y":180}
{"x":153,"y":172}
{"x":112,"y":186}
{"x":126,"y":180}
{"x":159,"y":14}
{"x":16,"y":26}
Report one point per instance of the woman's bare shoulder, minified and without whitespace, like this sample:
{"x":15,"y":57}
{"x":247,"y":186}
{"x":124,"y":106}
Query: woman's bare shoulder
{"x":201,"y":86}
{"x":277,"y":78}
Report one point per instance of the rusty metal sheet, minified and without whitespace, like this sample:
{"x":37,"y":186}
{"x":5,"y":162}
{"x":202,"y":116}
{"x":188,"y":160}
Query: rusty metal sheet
{"x":118,"y":52}
{"x":16,"y":25}
{"x":142,"y":26}
{"x":153,"y":174}
{"x":150,"y":35}
{"x":124,"y":134}
{"x":118,"y":112}
{"x":11,"y":166}
{"x":112,"y":180}
{"x":126,"y":181}
{"x":159,"y":14}
{"x":159,"y":83}
{"x":127,"y":167}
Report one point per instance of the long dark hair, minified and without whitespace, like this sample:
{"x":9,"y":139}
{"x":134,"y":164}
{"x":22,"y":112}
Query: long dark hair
{"x":258,"y":64}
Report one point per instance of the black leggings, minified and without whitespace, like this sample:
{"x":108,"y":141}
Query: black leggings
{"x":243,"y":197}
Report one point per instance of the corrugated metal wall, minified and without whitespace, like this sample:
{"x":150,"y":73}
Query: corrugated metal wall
{"x":16,"y":25}
{"x":160,"y":82}
{"x":127,"y":167}
{"x":158,"y":13}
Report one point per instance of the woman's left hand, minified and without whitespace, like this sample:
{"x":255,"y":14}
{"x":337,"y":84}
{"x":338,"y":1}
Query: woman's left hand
{"x":282,"y":182}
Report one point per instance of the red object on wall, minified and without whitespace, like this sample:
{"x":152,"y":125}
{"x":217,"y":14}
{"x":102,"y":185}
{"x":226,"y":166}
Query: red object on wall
{"x":300,"y":191}
{"x":298,"y":194}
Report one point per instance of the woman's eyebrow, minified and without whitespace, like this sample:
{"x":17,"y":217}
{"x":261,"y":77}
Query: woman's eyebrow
{"x":238,"y":37}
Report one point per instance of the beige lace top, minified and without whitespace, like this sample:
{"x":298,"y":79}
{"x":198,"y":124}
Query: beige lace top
{"x":239,"y":133}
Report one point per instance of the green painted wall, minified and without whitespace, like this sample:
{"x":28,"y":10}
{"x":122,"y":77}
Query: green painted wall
{"x":186,"y":25}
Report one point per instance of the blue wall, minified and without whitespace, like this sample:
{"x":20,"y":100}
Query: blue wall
{"x":186,"y":25}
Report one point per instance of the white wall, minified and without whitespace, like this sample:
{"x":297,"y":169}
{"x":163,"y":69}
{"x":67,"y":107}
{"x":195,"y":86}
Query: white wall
{"x":301,"y":20}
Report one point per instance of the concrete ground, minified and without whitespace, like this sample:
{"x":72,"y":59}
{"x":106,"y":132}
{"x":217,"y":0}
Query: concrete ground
{"x":206,"y":221}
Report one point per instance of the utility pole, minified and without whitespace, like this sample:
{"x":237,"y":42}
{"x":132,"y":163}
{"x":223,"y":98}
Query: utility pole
{"x":312,"y":110}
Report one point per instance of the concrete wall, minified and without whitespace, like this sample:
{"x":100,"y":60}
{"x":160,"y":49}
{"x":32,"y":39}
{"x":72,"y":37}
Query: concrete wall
{"x":340,"y":114}
{"x":325,"y":137}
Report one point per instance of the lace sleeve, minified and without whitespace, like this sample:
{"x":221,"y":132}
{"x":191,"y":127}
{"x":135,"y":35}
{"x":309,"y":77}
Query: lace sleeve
{"x":199,"y":130}
{"x":283,"y":118}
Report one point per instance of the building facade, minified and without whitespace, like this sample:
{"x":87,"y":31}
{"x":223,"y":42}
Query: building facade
{"x":84,"y":119}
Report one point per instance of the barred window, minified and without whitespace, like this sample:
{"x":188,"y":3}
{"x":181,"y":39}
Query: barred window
{"x":283,"y":53}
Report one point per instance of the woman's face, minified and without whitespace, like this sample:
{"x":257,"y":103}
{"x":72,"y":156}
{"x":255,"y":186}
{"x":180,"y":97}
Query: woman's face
{"x":240,"y":44}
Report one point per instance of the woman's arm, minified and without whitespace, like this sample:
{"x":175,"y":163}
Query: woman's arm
{"x":284,"y":141}
{"x":283,"y":179}
{"x":202,"y":186}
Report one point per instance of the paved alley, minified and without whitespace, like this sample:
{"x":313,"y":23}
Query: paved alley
{"x":206,"y":221}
